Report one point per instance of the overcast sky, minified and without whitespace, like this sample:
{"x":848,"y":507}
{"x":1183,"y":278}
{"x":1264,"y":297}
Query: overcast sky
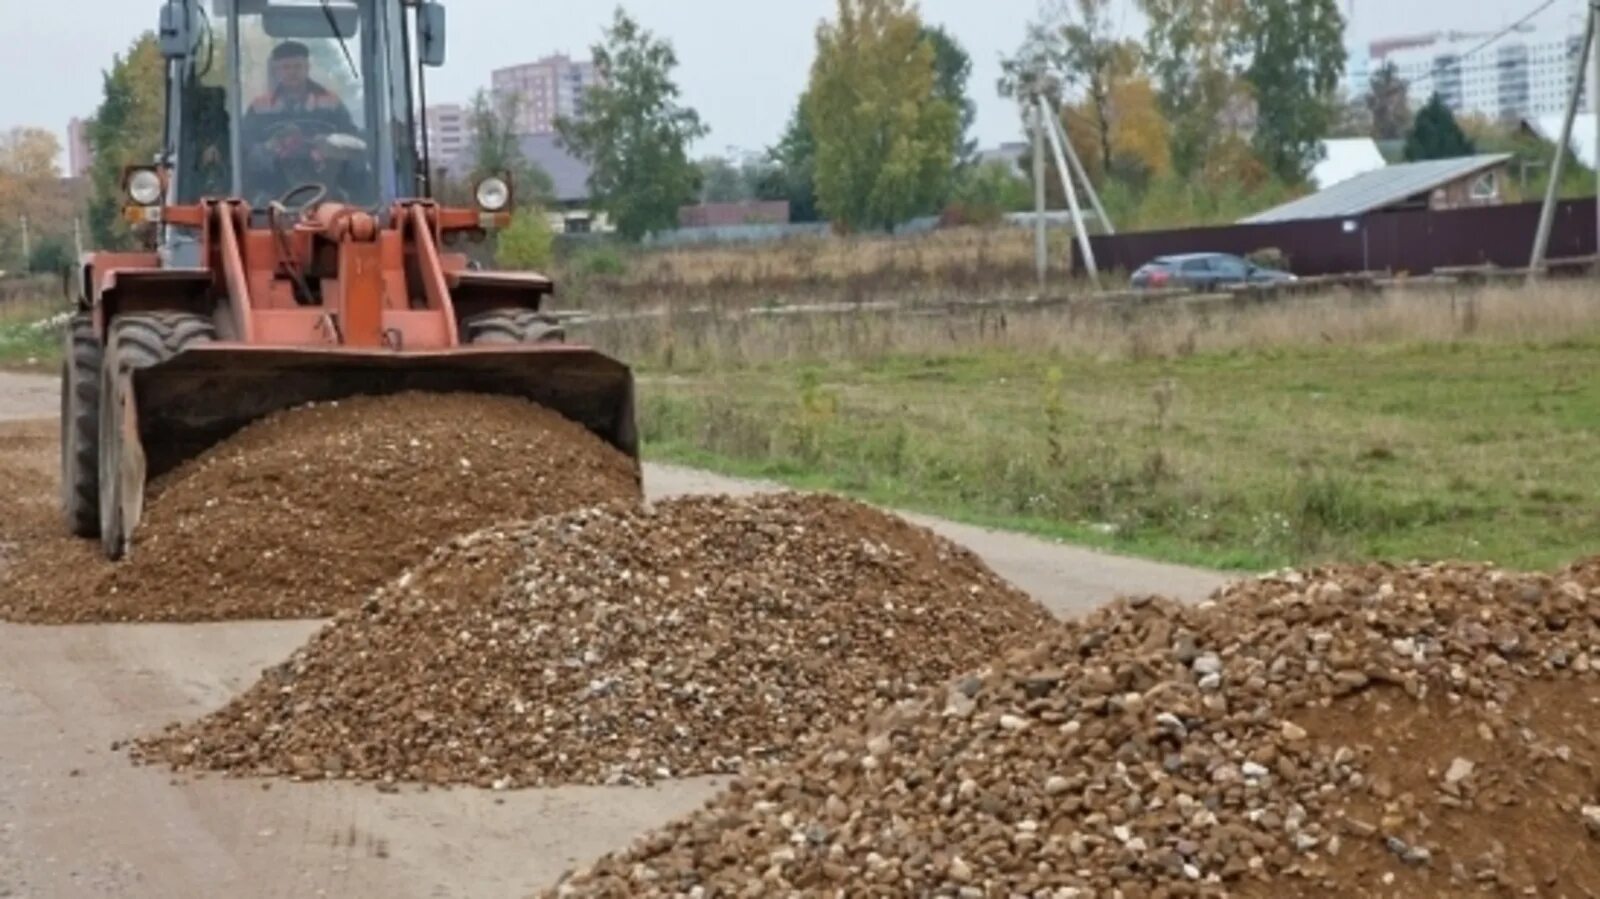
{"x":742,"y":62}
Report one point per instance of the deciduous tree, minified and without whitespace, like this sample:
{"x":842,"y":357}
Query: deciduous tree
{"x":125,"y":130}
{"x":1192,"y":48}
{"x":883,"y":131}
{"x":1296,"y":59}
{"x":29,"y":188}
{"x":635,"y":133}
{"x":1388,"y":99}
{"x":953,"y":69}
{"x":792,"y":170}
{"x":497,"y":148}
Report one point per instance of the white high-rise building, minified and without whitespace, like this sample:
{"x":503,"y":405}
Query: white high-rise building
{"x":1526,"y":73}
{"x":447,"y":133}
{"x":545,"y":89}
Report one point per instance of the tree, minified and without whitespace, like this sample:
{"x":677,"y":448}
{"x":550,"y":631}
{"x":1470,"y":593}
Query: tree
{"x":528,"y":244}
{"x":1192,"y":48}
{"x":125,"y":130}
{"x":51,"y":255}
{"x":497,"y":148}
{"x":986,"y":191}
{"x":1435,"y":135}
{"x":634,"y":134}
{"x":720,"y":181}
{"x":792,"y":170}
{"x":1297,"y":56}
{"x":30,"y":187}
{"x":953,"y":69}
{"x":883,"y":132}
{"x":1389,"y":100}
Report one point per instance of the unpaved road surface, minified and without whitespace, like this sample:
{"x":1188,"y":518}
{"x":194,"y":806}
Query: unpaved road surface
{"x":77,"y":819}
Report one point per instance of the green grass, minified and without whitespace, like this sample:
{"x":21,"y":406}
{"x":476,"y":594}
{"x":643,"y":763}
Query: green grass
{"x":1243,"y":460}
{"x":23,"y":344}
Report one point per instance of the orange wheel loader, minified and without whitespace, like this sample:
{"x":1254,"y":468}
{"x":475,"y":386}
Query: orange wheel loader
{"x":295,"y":256}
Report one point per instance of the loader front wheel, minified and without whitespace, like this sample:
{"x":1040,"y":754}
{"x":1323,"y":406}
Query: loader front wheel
{"x":513,"y":326}
{"x":133,"y":342}
{"x":80,"y":428}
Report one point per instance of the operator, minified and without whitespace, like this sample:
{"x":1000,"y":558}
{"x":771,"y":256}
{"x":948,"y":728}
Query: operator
{"x":279,"y":126}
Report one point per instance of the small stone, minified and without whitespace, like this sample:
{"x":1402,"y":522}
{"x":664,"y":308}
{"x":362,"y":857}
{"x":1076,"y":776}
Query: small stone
{"x":959,"y":870}
{"x":1207,"y":663}
{"x":1012,"y":723}
{"x":1292,"y":732}
{"x":1460,"y":769}
{"x":1591,"y":819}
{"x":1055,"y":785}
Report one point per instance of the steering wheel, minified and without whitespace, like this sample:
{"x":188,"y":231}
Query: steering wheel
{"x":294,"y":137}
{"x":319,"y":192}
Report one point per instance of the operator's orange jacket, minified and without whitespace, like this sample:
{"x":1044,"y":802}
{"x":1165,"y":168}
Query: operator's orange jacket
{"x":318,"y":99}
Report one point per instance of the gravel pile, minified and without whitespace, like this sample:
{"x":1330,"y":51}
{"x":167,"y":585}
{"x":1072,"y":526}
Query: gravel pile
{"x":1373,"y":731}
{"x":306,"y":512}
{"x":621,"y":645}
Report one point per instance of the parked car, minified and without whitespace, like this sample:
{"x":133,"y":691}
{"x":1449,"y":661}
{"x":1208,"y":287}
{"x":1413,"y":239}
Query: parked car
{"x":1198,"y":271}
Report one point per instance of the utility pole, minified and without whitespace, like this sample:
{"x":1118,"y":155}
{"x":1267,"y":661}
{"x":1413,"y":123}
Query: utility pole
{"x":1072,"y":199}
{"x":1083,"y":176}
{"x":1547,"y":214}
{"x":27,"y":246}
{"x":1041,"y":246}
{"x":77,"y":237}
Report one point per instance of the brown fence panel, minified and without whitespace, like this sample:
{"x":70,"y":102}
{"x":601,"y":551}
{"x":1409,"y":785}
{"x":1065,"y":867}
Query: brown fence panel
{"x":1416,"y":242}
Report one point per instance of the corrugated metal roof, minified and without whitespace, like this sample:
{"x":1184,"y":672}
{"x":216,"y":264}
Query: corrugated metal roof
{"x":1377,"y":189}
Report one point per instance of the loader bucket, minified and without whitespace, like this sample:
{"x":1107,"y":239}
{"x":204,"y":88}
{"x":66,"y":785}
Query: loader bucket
{"x":204,"y":394}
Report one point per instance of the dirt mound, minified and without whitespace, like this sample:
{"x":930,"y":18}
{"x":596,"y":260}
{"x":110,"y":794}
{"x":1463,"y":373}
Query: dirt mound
{"x":304,"y":513}
{"x":1372,"y":731}
{"x":618,"y":645}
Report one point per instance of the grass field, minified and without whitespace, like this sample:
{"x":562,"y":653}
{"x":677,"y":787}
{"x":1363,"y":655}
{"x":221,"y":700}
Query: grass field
{"x":1419,"y":426}
{"x":25,"y":343}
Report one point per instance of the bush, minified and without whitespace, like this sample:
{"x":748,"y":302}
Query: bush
{"x":51,"y":256}
{"x":1269,"y":257}
{"x":528,"y":244}
{"x":984,"y":193}
{"x":599,"y":262}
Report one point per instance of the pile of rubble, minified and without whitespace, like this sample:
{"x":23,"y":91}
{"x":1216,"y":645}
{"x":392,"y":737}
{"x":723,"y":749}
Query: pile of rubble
{"x":621,"y":645}
{"x":306,"y":512}
{"x":1428,"y":730}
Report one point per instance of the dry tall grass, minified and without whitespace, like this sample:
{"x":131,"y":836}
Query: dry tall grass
{"x":945,"y":264}
{"x":1158,"y":329}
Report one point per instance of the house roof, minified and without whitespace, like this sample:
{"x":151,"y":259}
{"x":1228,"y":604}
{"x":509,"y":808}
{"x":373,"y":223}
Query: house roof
{"x":1380,"y":188}
{"x":1345,"y":158}
{"x":1583,"y":136}
{"x":568,"y":173}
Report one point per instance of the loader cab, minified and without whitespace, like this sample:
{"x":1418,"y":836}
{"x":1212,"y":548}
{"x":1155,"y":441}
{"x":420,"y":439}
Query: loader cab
{"x":269,"y":96}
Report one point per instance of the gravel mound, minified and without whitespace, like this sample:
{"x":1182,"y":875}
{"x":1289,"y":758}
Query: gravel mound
{"x":1429,"y":730}
{"x":621,"y":645}
{"x":306,"y":512}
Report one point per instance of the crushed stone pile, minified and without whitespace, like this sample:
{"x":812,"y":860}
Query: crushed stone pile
{"x":1373,"y":731}
{"x":306,"y":512}
{"x":621,"y":645}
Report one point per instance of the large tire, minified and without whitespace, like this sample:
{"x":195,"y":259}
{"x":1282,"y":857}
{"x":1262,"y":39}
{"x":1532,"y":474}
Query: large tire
{"x":80,"y":427}
{"x":513,"y":326}
{"x":133,"y":342}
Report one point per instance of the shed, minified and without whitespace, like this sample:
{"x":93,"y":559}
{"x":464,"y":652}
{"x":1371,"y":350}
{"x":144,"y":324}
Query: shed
{"x":1436,"y":184}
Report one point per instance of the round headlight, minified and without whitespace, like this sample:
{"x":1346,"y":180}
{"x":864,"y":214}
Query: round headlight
{"x":144,"y":187}
{"x":493,"y":194}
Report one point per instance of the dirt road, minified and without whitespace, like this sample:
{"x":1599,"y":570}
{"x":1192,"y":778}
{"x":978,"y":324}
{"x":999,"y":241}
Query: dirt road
{"x":76,"y":819}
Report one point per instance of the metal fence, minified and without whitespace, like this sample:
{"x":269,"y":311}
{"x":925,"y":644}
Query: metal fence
{"x":1416,"y":242}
